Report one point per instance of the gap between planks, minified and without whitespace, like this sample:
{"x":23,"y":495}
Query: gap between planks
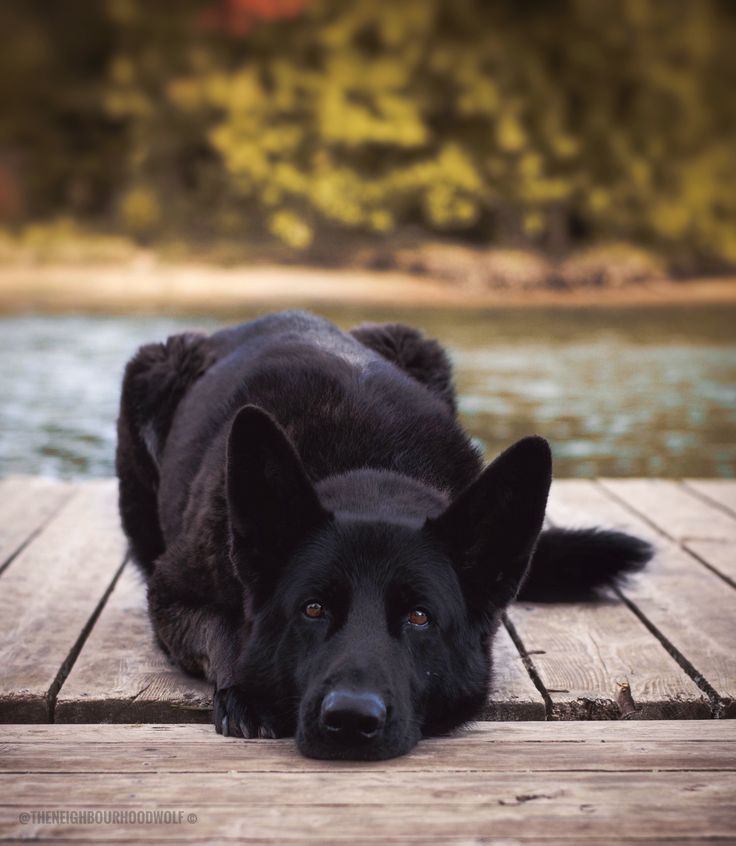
{"x":26,"y":506}
{"x":515,"y":696}
{"x":595,"y":660}
{"x":50,"y":597}
{"x":687,"y":608}
{"x":685,"y":516}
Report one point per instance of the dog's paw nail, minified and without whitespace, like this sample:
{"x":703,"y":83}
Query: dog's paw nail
{"x":234,"y":717}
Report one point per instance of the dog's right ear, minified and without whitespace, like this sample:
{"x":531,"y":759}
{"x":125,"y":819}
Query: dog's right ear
{"x":272,"y":503}
{"x":491,"y":529}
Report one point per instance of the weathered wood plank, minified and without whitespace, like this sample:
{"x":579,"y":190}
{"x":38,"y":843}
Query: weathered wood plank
{"x":720,"y":491}
{"x":685,"y":604}
{"x":26,"y":503}
{"x":719,"y":555}
{"x":386,"y":838}
{"x":156,"y":789}
{"x":580,"y":814}
{"x":672,"y":509}
{"x":594,"y":786}
{"x":580,"y":652}
{"x":65,"y":752}
{"x":275,"y":755}
{"x":685,"y":515}
{"x":585,"y":653}
{"x":122,"y":675}
{"x":513,"y":695}
{"x":49,"y":596}
{"x":486,"y":803}
{"x":594,"y":732}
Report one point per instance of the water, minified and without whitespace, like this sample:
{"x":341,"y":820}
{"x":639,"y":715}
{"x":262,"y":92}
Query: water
{"x":630,"y":392}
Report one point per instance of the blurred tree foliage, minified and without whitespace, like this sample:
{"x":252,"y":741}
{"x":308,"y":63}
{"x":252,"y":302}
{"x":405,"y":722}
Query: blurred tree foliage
{"x":539,"y":122}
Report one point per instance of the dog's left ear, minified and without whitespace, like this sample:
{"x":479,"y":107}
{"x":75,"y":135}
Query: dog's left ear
{"x":271,"y":501}
{"x":491,"y":529}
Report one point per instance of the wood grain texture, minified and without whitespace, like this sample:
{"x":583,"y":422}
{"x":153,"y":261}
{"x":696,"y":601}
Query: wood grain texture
{"x":65,"y":752}
{"x":719,"y":555}
{"x":593,"y":732}
{"x":581,"y":653}
{"x":123,"y":675}
{"x":49,"y":596}
{"x":49,"y":790}
{"x":722,"y":492}
{"x":515,"y":782}
{"x":674,"y":510}
{"x":584,"y":653}
{"x":237,"y":755}
{"x":513,"y":695}
{"x":689,"y":608}
{"x":372,"y":808}
{"x":26,"y":503}
{"x":587,"y":812}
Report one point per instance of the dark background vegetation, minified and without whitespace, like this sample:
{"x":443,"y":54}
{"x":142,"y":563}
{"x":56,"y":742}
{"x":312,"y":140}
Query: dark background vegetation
{"x":322,"y":128}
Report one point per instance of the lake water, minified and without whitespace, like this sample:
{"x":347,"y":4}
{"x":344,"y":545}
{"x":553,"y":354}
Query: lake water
{"x":630,"y":392}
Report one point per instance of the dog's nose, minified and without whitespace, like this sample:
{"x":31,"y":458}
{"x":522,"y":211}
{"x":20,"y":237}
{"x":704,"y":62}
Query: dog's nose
{"x":353,"y":715}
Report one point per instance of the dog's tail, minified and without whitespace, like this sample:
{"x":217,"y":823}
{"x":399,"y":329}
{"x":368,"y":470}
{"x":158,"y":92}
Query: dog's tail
{"x":575,"y":564}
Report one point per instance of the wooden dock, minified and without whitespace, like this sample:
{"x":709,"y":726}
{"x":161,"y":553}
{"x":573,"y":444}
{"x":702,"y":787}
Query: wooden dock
{"x":76,"y":649}
{"x":503,"y":783}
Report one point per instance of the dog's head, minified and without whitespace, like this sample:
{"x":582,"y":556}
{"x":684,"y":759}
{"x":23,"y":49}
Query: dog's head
{"x":372,"y":623}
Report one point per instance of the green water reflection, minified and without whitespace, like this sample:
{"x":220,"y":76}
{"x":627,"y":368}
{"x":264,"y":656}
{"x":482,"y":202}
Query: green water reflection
{"x":628,"y":392}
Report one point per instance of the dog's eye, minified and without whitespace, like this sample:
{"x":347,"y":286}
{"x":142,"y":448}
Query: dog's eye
{"x":314,"y":610}
{"x":418,"y":617}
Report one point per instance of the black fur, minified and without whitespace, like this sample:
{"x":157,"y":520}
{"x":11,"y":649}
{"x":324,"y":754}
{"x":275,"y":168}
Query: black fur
{"x":420,"y":357}
{"x":321,"y":539}
{"x":577,"y":564}
{"x":155,"y":380}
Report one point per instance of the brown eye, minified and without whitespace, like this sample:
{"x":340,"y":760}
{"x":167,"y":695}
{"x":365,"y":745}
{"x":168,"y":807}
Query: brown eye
{"x":418,"y":617}
{"x":313,"y":610}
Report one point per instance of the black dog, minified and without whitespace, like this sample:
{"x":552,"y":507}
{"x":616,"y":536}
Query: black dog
{"x":320,"y":538}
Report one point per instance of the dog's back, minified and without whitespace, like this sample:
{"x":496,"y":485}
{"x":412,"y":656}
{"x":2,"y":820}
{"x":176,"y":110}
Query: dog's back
{"x":343,"y":405}
{"x":379,"y":396}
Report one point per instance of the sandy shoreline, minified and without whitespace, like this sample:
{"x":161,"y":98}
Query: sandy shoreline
{"x":151,"y":287}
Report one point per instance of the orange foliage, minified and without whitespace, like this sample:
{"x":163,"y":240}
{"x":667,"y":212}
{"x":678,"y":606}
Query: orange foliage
{"x":237,"y":17}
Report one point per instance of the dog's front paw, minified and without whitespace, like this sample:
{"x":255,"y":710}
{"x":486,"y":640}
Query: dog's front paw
{"x":234,"y":717}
